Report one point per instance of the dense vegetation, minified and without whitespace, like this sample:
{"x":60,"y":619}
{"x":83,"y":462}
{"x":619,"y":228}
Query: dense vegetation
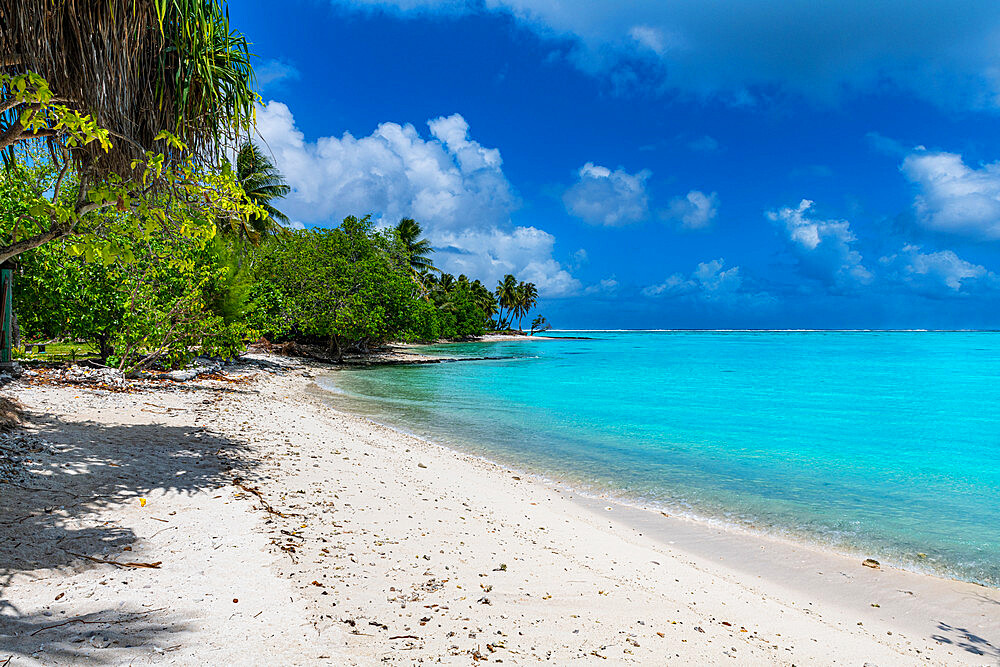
{"x":164,"y":298}
{"x":134,"y":233}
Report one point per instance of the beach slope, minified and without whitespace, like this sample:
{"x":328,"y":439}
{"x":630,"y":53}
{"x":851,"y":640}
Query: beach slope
{"x":284,"y":532}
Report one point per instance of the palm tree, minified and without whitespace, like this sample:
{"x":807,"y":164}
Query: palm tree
{"x":506,"y":293}
{"x":262,"y":183}
{"x":484,"y":299}
{"x":417,"y":249}
{"x":526,"y":296}
{"x":539,"y":324}
{"x":446,"y":282}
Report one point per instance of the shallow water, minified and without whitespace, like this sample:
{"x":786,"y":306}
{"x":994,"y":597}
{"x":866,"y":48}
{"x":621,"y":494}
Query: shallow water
{"x":882,"y":442}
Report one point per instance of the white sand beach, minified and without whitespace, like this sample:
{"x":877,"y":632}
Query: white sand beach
{"x":378,"y":548}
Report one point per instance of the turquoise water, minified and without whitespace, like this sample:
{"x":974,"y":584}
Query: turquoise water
{"x":886,"y":443}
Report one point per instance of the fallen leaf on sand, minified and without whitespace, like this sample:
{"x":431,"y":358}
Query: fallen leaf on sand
{"x":142,"y":502}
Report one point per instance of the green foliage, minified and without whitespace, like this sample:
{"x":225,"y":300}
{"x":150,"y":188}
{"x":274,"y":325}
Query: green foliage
{"x":460,"y":306}
{"x":417,"y":250}
{"x":139,"y":297}
{"x":517,"y":298}
{"x":343,"y":286}
{"x":539,"y":324}
{"x":263,"y":184}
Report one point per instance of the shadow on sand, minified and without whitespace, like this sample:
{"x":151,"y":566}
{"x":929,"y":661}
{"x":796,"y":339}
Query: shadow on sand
{"x":48,"y":520}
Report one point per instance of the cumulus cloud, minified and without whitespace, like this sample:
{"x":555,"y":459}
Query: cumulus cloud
{"x":824,"y":248}
{"x":943,"y":52}
{"x":605,"y":197}
{"x":696,"y":210}
{"x":941,"y":273}
{"x":449,"y":182}
{"x":489,"y":254}
{"x":710,"y":283}
{"x":954,"y":197}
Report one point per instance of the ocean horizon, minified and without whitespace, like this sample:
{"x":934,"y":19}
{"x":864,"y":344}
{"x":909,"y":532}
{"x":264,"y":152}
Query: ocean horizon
{"x":883,"y":444}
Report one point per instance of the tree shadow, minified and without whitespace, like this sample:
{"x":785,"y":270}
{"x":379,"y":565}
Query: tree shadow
{"x":50,"y":521}
{"x":966,"y":640}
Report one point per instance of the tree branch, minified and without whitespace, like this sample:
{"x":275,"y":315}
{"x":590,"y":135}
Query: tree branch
{"x":32,"y":242}
{"x":55,"y":189}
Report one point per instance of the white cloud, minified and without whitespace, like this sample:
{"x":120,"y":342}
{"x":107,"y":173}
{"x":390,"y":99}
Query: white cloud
{"x":451,"y":184}
{"x":651,"y":38}
{"x":489,"y":254}
{"x":936,"y":272}
{"x":605,"y":197}
{"x":824,"y":248}
{"x":943,"y":52}
{"x":696,"y":210}
{"x":606,"y":287}
{"x":954,"y":197}
{"x":710,"y":283}
{"x":448,"y":181}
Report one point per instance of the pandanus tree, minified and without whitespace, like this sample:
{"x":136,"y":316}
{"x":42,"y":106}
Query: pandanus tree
{"x":131,"y":103}
{"x":109,"y":84}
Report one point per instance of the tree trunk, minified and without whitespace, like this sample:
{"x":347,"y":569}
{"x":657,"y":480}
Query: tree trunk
{"x":104,"y":347}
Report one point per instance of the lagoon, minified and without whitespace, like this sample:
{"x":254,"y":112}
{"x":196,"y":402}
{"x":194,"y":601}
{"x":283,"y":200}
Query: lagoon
{"x":885,"y":444}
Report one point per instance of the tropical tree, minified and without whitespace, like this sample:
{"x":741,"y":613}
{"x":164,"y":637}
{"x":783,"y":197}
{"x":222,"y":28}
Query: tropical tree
{"x":525,"y":298}
{"x":343,"y":286}
{"x":484,"y":299}
{"x":417,"y":249}
{"x":263,"y":184}
{"x":539,"y":324}
{"x":122,"y":99}
{"x":506,"y":293}
{"x":104,"y":84}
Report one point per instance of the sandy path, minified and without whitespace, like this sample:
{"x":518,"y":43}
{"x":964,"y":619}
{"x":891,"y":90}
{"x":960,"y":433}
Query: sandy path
{"x":398,"y":551}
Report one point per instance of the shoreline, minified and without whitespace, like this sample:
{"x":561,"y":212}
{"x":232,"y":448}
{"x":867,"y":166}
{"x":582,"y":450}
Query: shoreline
{"x":382,"y":547}
{"x":761,"y":554}
{"x":803,"y":541}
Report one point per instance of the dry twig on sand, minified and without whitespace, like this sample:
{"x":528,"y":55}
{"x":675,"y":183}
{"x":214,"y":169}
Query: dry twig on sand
{"x":94,"y":622}
{"x":237,"y":482}
{"x":106,"y":561}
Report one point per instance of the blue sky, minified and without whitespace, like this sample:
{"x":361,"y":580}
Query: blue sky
{"x":658,"y":165}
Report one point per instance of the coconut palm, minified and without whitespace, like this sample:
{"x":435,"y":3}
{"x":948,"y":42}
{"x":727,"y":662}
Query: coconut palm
{"x":484,"y":299}
{"x":417,"y":249}
{"x":506,"y":293}
{"x":526,"y":296}
{"x":262,"y":183}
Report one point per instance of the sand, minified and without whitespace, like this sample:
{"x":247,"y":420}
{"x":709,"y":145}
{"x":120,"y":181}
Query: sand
{"x":382,"y":548}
